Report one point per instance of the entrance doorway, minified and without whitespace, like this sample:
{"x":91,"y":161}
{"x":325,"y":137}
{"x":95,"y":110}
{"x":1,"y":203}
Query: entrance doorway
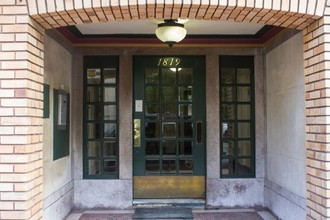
{"x":169,"y":127}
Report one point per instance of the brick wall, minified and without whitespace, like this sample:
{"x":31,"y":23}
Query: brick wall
{"x":21,"y":77}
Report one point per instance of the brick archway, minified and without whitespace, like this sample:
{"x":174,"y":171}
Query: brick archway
{"x":21,"y":67}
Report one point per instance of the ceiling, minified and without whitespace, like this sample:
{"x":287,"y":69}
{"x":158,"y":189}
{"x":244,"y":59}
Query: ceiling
{"x":147,"y":27}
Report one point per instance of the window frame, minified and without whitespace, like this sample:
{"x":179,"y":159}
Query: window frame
{"x":237,"y":62}
{"x":100,"y":62}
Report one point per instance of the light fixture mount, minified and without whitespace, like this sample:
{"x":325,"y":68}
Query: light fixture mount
{"x":170,"y":32}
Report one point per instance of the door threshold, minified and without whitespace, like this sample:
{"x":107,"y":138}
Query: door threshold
{"x":169,"y":202}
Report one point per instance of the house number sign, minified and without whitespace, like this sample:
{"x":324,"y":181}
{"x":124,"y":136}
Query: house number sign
{"x":169,"y":62}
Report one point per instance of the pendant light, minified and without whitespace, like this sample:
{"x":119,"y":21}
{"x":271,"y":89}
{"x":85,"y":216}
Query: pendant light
{"x":171,"y":32}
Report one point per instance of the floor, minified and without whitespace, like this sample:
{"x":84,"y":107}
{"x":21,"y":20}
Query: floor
{"x":199,"y":214}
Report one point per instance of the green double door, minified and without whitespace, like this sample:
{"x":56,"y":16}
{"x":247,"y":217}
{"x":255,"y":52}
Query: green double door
{"x":169,"y":127}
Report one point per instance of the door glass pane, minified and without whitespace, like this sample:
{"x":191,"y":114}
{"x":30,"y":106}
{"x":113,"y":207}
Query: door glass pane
{"x":169,"y":76}
{"x":186,"y":166}
{"x":152,"y":93}
{"x":93,"y":76}
{"x":152,"y":111}
{"x":227,"y":94}
{"x":243,"y":76}
{"x":170,"y":111}
{"x":93,"y":94}
{"x":110,"y":112}
{"x":228,"y":166}
{"x":185,"y":111}
{"x":152,"y":167}
{"x":110,"y":148}
{"x":152,"y":130}
{"x":169,"y":167}
{"x":93,"y":148}
{"x":93,"y":130}
{"x":243,"y":94}
{"x":169,"y":148}
{"x":152,"y":148}
{"x":185,"y":148}
{"x":94,"y":112}
{"x":227,"y":112}
{"x":109,"y":94}
{"x":169,"y":94}
{"x":228,"y":148}
{"x":243,"y":130}
{"x":152,"y":75}
{"x":244,"y":148}
{"x":185,"y":76}
{"x":169,"y":129}
{"x":228,"y":130}
{"x":109,"y":75}
{"x":227,"y":75}
{"x":94,"y":167}
{"x":109,"y":167}
{"x":185,"y":129}
{"x":110,"y":130}
{"x":243,"y":112}
{"x":185,"y":93}
{"x":244,"y":166}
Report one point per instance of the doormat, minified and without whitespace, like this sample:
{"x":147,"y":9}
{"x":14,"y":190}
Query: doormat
{"x":163,"y":213}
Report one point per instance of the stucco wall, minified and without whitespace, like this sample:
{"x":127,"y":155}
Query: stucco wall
{"x":285,"y":185}
{"x":58,"y":185}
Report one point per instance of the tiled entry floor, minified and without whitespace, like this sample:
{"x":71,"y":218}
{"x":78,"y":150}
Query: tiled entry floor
{"x":199,"y":214}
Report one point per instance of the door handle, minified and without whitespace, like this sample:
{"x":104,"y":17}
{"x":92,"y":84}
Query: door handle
{"x":199,"y":135}
{"x":137,"y":132}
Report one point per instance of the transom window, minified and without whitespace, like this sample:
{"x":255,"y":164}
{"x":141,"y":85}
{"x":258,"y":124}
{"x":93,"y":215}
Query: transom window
{"x":100,"y":117}
{"x":237,"y":150}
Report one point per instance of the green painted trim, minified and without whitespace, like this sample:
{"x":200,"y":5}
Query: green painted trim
{"x":46,"y":93}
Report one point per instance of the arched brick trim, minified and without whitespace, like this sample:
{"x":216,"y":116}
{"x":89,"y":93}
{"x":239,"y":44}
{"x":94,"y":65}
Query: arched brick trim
{"x":296,"y":14}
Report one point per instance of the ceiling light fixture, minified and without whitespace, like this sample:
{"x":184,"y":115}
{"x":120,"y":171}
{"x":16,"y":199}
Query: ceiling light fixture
{"x":171,"y":32}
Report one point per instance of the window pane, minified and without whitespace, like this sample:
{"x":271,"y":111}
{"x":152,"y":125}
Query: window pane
{"x":152,"y":75}
{"x":93,"y":130}
{"x":185,"y":148}
{"x":169,"y":129}
{"x":243,"y":76}
{"x":169,"y":94}
{"x":152,"y":167}
{"x":169,"y":148}
{"x":185,"y":93}
{"x":243,"y":130}
{"x":152,"y":94}
{"x":152,"y":111}
{"x":227,"y":166}
{"x":227,"y":94}
{"x":169,"y":167}
{"x":244,"y":166}
{"x":244,"y":148}
{"x":94,"y":112}
{"x":227,"y":75}
{"x":110,"y":112}
{"x":227,"y":112}
{"x":110,"y":130}
{"x":170,"y":111}
{"x":185,"y":76}
{"x":228,"y":148}
{"x":228,"y":130}
{"x":152,"y":130}
{"x":110,"y":148}
{"x":186,"y":166}
{"x":93,"y":148}
{"x":109,"y":94}
{"x":185,"y":111}
{"x":243,"y":112}
{"x":185,"y":129}
{"x":93,"y":76}
{"x":94,"y":167}
{"x":152,"y":148}
{"x":243,"y":94}
{"x":93,"y":94}
{"x":169,"y":76}
{"x":109,"y":167}
{"x":109,"y":75}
